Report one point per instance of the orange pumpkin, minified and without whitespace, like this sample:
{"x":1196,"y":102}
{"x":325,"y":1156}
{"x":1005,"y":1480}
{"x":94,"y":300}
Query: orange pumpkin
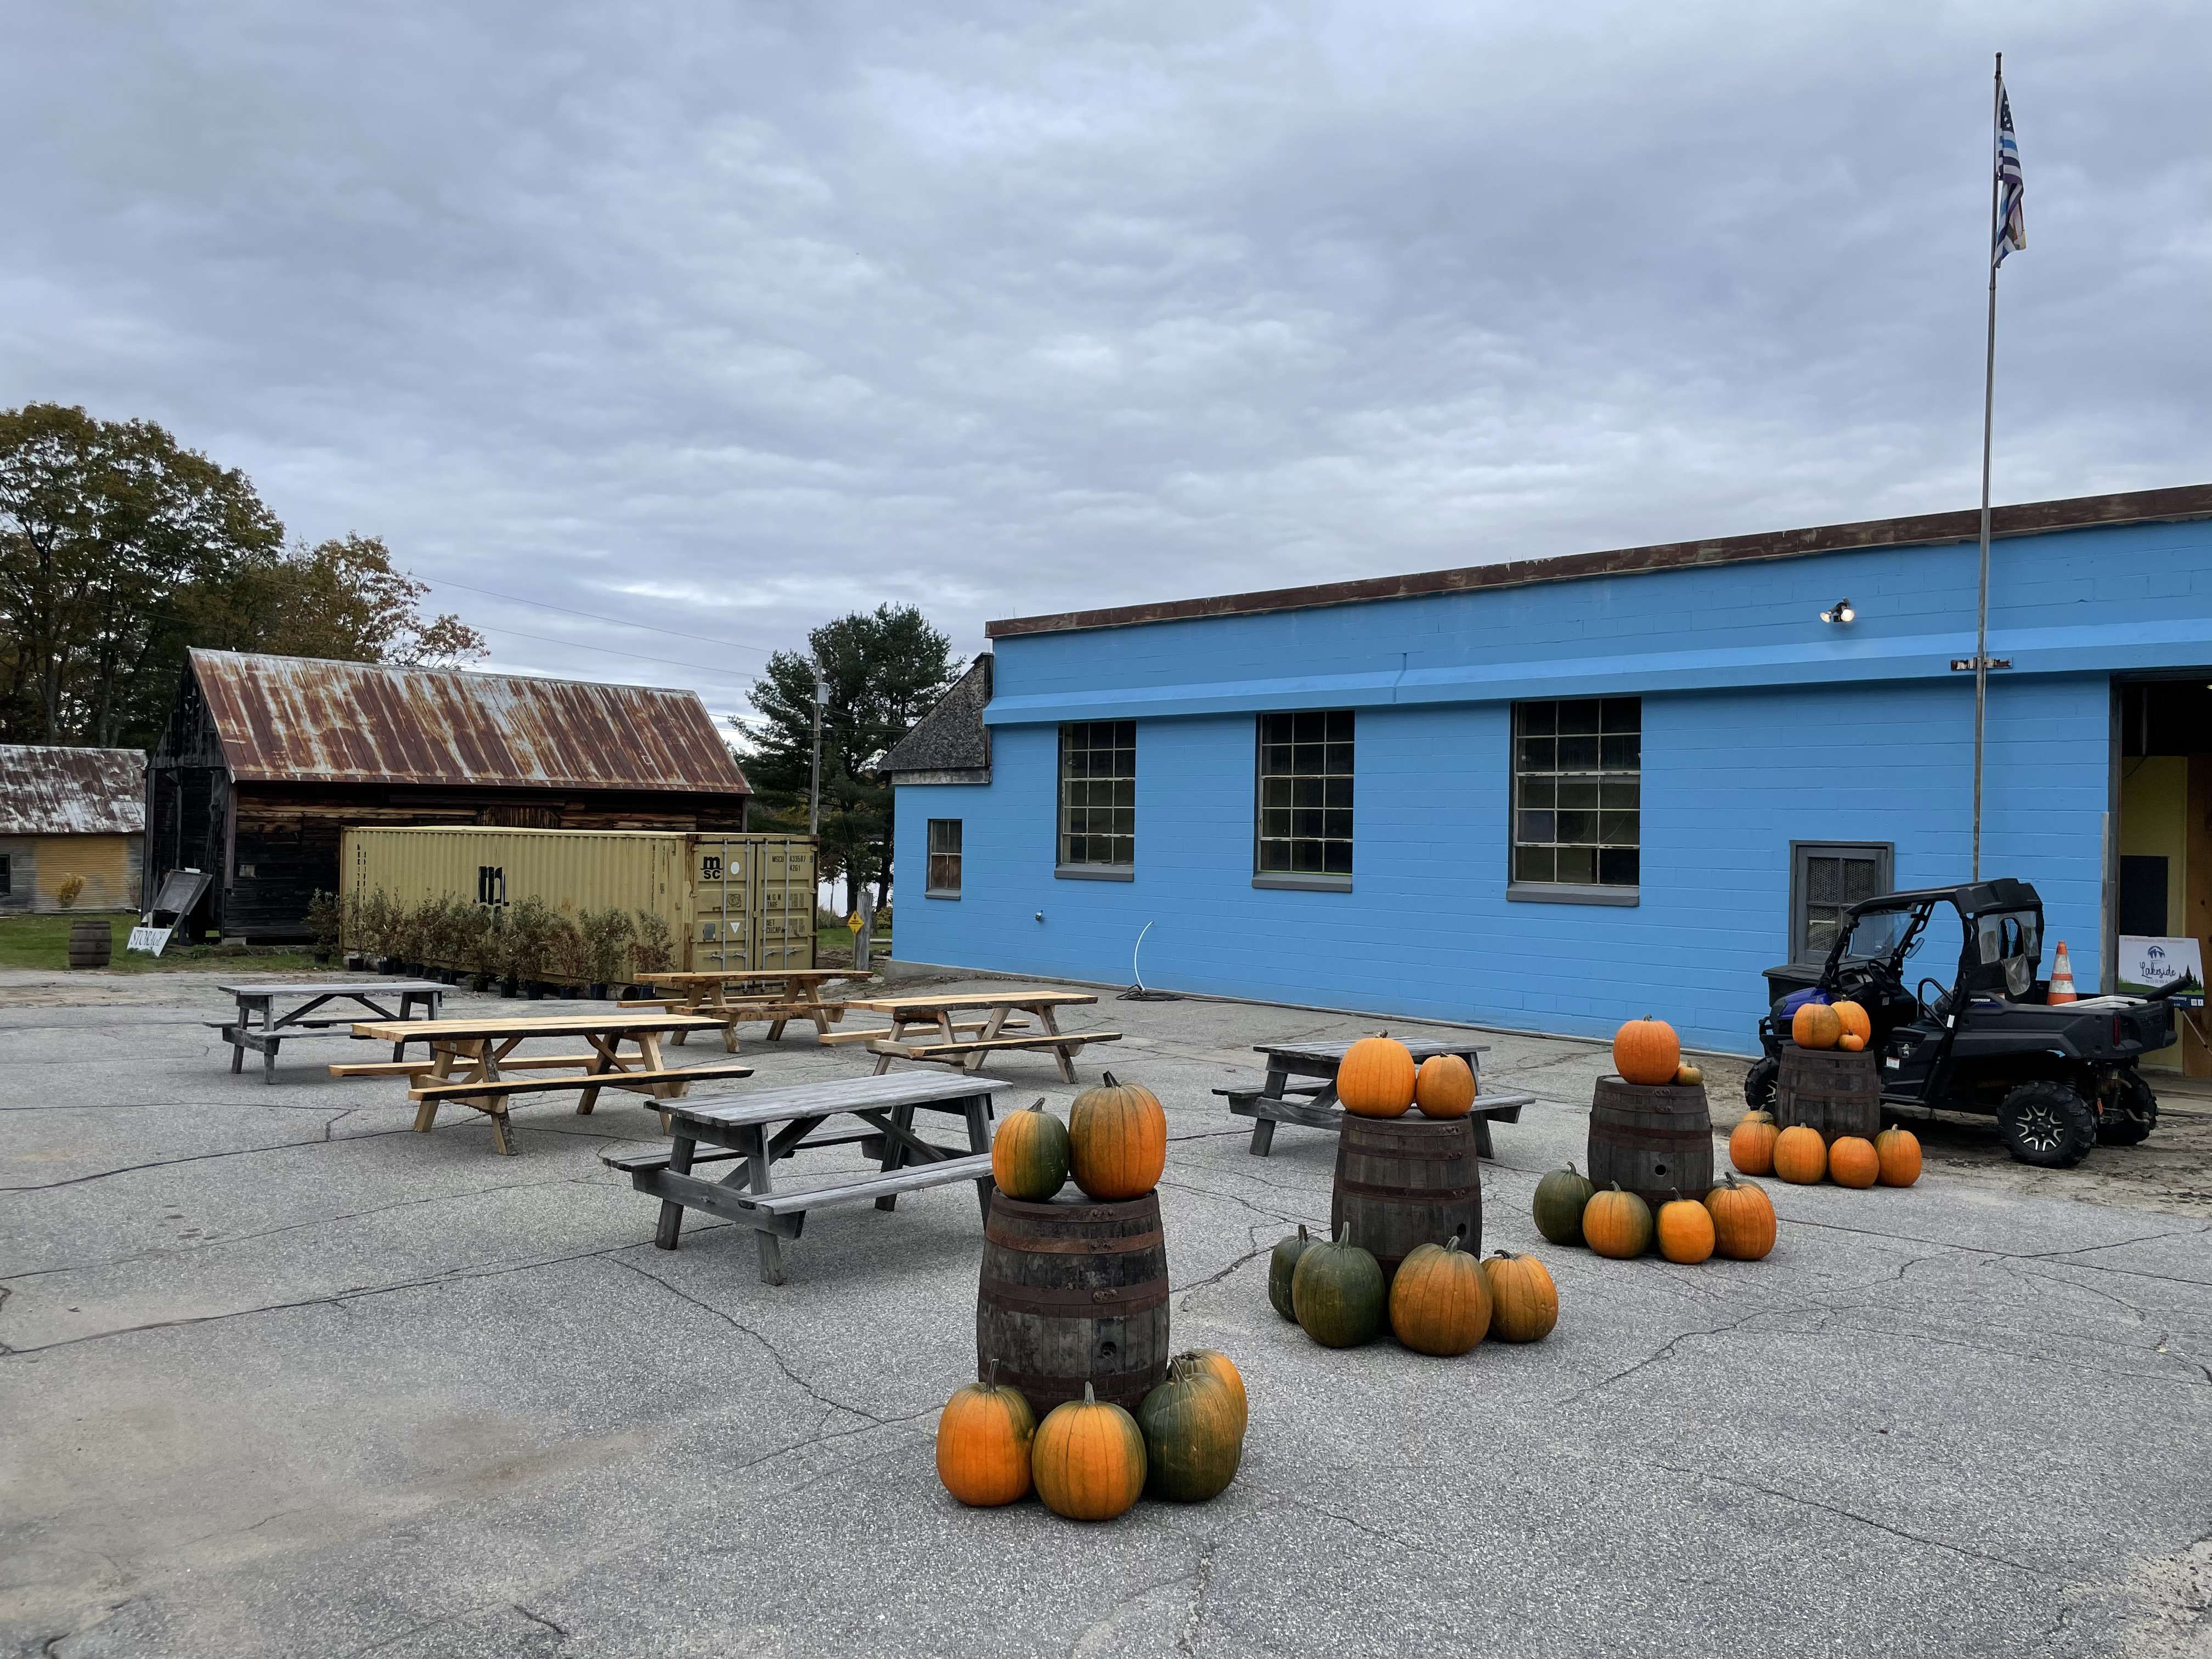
{"x":1898,"y":1150}
{"x":1801,"y":1157}
{"x":1617,"y":1223}
{"x":1524,"y":1303}
{"x":1444,"y":1087}
{"x":1854,"y":1021}
{"x":1814,"y":1026}
{"x":1751,"y":1143}
{"x":983,"y":1438}
{"x":1852,"y":1162}
{"x":1088,"y":1459}
{"x":1850,"y":1042}
{"x":1686,"y":1230}
{"x":1117,"y":1140}
{"x":1743,"y":1219}
{"x":1375,"y":1079}
{"x":1646,"y":1051}
{"x":1440,"y":1300}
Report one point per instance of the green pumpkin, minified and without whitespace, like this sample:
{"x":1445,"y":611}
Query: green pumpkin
{"x":1029,"y":1155}
{"x":1192,"y":1442}
{"x":1560,"y":1197}
{"x":1281,"y":1266}
{"x":1340,"y":1294}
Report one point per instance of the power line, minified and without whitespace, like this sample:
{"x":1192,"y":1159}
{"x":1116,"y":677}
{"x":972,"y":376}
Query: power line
{"x":594,"y":615}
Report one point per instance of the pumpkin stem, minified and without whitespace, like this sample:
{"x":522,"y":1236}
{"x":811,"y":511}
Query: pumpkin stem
{"x":990,"y":1372}
{"x":1508,"y":1255}
{"x":1039,"y":1106}
{"x":1303,"y":1239}
{"x":1451,"y":1243}
{"x":1089,"y":1398}
{"x":1109,"y":1078}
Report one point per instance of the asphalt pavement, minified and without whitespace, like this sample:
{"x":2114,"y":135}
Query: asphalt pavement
{"x":281,"y":1376}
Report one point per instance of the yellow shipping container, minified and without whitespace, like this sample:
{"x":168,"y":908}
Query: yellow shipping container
{"x":707,"y":888}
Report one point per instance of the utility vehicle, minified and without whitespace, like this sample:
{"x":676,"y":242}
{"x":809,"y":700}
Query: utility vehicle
{"x":2059,"y":1077}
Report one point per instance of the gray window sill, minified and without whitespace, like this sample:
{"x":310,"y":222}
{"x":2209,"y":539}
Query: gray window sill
{"x":940,"y":892}
{"x":1095,"y":872}
{"x":1560,"y":892}
{"x":1298,"y":884}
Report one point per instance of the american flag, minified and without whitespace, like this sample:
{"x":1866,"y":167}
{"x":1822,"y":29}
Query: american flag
{"x":2012,"y":229}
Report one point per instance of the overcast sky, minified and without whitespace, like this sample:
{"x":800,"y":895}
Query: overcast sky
{"x":729,"y":318}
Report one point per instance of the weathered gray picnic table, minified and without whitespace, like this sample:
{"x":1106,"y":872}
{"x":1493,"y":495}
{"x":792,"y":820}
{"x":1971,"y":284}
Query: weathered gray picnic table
{"x":1279,"y":1099}
{"x":764,"y":1126}
{"x":258,"y":1025}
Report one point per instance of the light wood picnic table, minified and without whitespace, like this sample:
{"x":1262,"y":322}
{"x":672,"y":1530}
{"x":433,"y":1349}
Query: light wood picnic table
{"x":469,"y":1056}
{"x":762,"y":1126}
{"x":259,"y":1026}
{"x":777,"y":995}
{"x":1275,"y":1100}
{"x":992,"y":1009}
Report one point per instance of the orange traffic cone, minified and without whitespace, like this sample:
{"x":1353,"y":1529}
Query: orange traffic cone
{"x":2062,"y":978}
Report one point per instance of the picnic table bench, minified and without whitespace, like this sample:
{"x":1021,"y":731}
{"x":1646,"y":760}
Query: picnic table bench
{"x":733,"y":995}
{"x":994,"y":1013}
{"x":261,"y":1026}
{"x":760,"y":1128}
{"x":1280,"y":1099}
{"x":481,"y":1048}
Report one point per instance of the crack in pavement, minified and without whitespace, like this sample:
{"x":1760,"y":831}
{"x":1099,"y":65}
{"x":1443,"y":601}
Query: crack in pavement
{"x":1187,"y":1643}
{"x":337,"y":1299}
{"x":561,"y":1630}
{"x":1215,"y":1277}
{"x":200,"y":1157}
{"x":773,"y":1352}
{"x":1864,"y":1520}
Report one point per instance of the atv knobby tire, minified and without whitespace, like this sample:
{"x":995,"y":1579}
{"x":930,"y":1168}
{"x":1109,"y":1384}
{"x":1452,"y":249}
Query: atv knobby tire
{"x":2048,"y":1125}
{"x":1758,"y":1085}
{"x":2131,"y":1117}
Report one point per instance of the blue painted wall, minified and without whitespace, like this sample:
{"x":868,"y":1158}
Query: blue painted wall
{"x":1761,"y":726}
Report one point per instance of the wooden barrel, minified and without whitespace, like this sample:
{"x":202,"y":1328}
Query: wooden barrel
{"x":90,"y":941}
{"x":1655,"y":1139}
{"x":1074,"y":1293}
{"x":1406,"y":1181}
{"x":1831,"y":1090}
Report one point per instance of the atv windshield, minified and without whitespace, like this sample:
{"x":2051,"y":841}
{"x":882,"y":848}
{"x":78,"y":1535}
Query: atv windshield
{"x":1875,"y":937}
{"x":2007,"y":944}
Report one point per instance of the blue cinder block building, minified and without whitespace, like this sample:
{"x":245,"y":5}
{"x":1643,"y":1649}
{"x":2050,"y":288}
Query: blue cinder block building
{"x":1553,"y":794}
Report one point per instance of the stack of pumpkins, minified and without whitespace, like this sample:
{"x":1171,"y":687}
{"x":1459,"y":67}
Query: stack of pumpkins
{"x":1831,"y":1025}
{"x":1378,"y":1078}
{"x":1090,"y":1460}
{"x":1799,"y":1155}
{"x":1441,"y":1301}
{"x":1735,"y":1220}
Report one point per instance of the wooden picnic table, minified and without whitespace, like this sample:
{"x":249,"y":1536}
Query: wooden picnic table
{"x":470,"y":1057}
{"x":778,"y":995}
{"x":760,"y":1128}
{"x":261,"y":1026}
{"x":993,"y":1010}
{"x":1279,"y":1099}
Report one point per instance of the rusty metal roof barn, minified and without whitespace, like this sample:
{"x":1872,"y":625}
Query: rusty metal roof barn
{"x":71,"y":791}
{"x":294,"y":720}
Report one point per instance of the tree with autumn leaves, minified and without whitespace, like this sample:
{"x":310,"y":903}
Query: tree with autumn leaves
{"x":120,"y":549}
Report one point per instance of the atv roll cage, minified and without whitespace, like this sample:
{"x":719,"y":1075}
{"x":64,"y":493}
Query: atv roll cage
{"x":2000,"y":947}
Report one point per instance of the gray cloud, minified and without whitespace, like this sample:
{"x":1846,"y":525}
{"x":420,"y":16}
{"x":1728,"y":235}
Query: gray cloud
{"x":730,"y":323}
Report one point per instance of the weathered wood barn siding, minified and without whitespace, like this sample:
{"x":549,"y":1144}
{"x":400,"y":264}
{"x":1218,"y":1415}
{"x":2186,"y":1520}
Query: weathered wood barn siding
{"x":267,"y":760}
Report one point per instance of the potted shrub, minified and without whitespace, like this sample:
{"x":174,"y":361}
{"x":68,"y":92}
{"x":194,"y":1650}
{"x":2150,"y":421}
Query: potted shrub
{"x":606,"y":949}
{"x":326,"y":921}
{"x":652,"y":950}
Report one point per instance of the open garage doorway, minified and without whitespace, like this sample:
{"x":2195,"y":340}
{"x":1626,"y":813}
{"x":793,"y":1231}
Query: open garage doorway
{"x":2164,"y":841}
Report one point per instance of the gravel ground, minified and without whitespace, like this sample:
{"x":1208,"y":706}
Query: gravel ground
{"x":281,"y":1377}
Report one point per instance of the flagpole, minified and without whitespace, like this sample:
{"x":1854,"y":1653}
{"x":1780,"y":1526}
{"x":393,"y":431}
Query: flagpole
{"x":1989,"y":408}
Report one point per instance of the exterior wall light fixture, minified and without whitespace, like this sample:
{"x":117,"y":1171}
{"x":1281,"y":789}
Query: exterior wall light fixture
{"x":1840,"y":612}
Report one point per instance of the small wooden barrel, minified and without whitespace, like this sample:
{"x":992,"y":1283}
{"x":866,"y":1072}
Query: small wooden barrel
{"x":90,"y":943}
{"x":1402,"y":1182}
{"x":1074,"y":1293}
{"x":1655,"y":1139}
{"x":1831,"y":1090}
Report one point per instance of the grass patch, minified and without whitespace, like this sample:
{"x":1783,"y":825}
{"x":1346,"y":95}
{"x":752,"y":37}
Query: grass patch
{"x":43,"y":942}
